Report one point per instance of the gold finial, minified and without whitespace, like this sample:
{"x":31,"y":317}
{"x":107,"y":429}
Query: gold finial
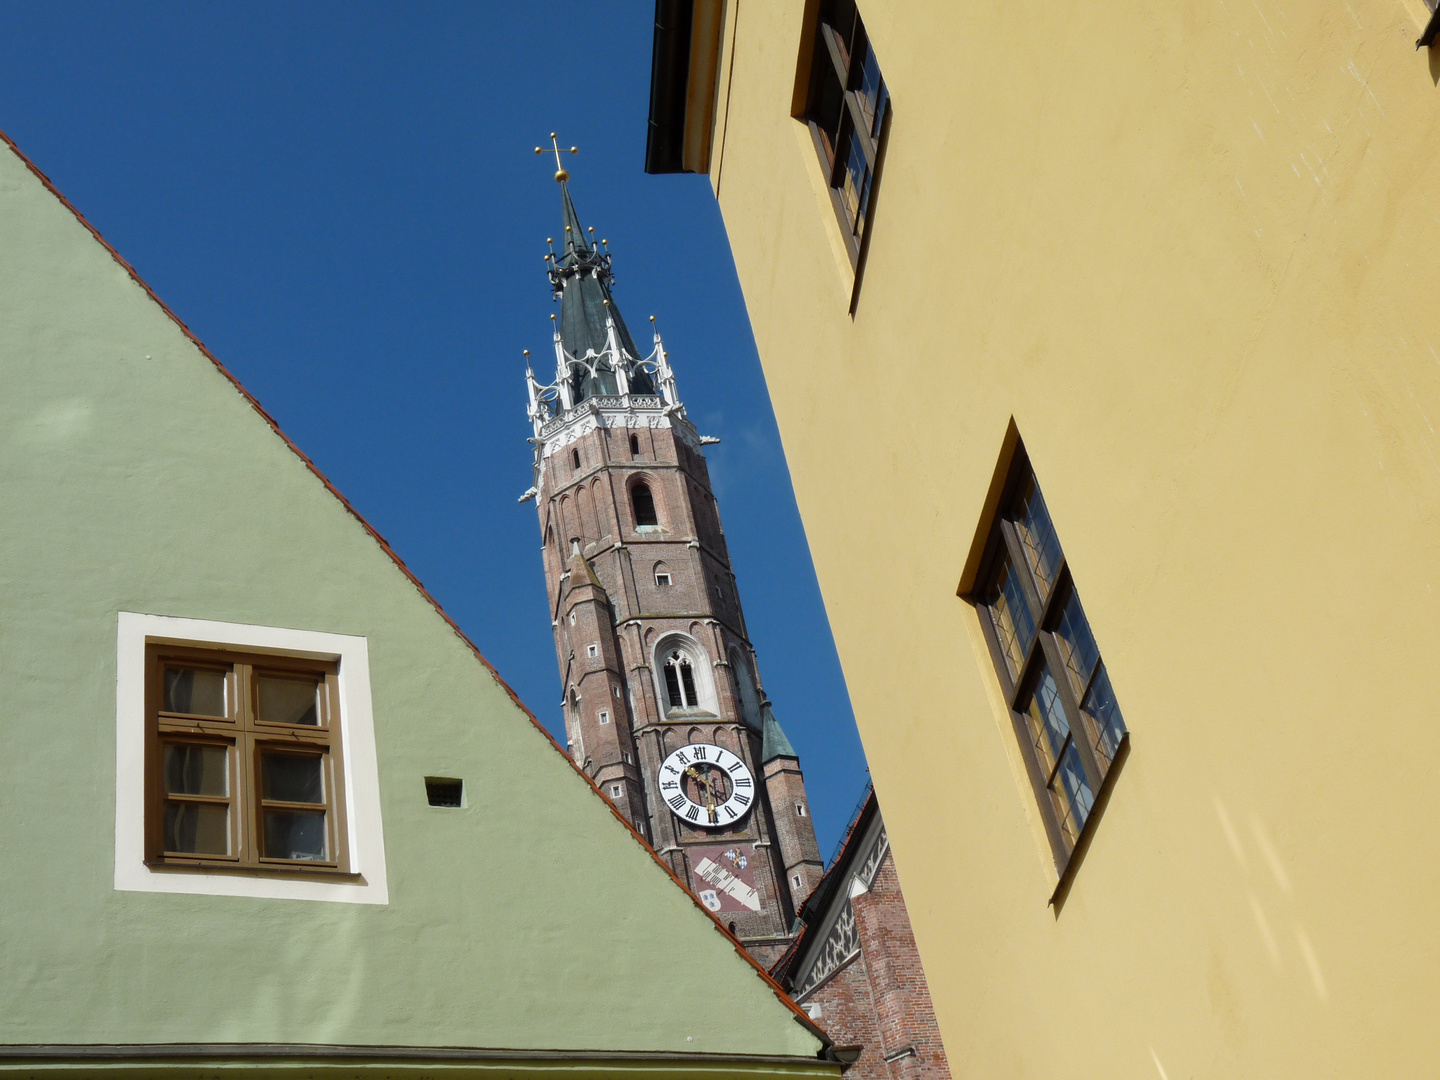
{"x":525,"y":351}
{"x":560,"y":174}
{"x":591,"y":229}
{"x":652,"y":318}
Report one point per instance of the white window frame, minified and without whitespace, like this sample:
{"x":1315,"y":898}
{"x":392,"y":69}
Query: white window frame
{"x":592,"y":650}
{"x":366,"y":838}
{"x":604,"y":716}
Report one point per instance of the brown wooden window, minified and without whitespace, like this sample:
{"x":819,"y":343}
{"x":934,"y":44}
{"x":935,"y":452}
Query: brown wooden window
{"x":1050,"y":668}
{"x":243,"y":761}
{"x":847,"y":108}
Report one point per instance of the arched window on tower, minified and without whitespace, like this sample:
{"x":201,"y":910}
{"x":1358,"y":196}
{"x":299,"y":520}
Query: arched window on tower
{"x":634,"y":445}
{"x":575,"y":459}
{"x":680,"y":681}
{"x":644,"y":505}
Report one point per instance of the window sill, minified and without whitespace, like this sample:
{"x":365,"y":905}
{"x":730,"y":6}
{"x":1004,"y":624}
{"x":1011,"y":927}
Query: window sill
{"x":690,"y":714}
{"x":1082,"y":844}
{"x":288,"y":871}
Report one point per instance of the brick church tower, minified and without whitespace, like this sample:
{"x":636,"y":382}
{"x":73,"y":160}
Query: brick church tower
{"x":663,"y":702}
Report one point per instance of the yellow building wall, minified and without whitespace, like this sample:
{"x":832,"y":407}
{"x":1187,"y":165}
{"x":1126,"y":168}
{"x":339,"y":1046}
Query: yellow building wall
{"x":1193,"y":249}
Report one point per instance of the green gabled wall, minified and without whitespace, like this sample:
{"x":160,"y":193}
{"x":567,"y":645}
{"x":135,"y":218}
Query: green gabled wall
{"x":532,"y":919}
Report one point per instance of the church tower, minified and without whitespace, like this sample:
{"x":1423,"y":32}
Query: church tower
{"x":663,"y":703}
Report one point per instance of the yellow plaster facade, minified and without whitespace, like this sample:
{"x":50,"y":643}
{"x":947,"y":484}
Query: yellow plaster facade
{"x":1191,"y":250}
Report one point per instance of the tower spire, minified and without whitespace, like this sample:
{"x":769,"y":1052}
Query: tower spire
{"x":655,"y":662}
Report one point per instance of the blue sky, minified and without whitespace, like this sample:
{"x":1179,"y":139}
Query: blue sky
{"x":343,"y":202}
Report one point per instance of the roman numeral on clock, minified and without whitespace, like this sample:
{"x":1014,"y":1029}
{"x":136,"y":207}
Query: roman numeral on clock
{"x":742,"y":781}
{"x":743,"y":800}
{"x":677,"y":802}
{"x":669,"y":785}
{"x":693,"y":814}
{"x":699,"y":753}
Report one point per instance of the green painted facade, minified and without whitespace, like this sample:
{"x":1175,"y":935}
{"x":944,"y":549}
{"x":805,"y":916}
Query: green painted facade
{"x":134,"y":476}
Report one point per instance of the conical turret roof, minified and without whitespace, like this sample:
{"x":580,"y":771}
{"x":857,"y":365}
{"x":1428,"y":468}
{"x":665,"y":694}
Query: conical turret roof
{"x":773,"y":743}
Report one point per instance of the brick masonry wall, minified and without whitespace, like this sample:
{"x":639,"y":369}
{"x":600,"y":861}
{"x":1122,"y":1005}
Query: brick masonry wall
{"x":881,"y":998}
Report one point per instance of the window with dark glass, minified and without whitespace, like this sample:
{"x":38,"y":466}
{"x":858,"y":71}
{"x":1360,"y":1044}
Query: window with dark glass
{"x":680,"y":681}
{"x":1053,"y":677}
{"x":644,"y":503}
{"x":846,"y":108}
{"x":243,"y":761}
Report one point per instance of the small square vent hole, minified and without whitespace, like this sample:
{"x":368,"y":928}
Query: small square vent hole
{"x":442,"y":791}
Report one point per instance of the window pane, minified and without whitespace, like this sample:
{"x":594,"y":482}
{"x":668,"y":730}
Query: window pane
{"x":1077,"y":644}
{"x":1046,"y":719}
{"x":687,"y":680}
{"x":289,"y":701}
{"x":197,"y":691}
{"x":1037,"y":535}
{"x":1107,"y":725}
{"x":291,"y":834}
{"x":196,"y":770}
{"x":672,"y":686}
{"x":871,"y":93}
{"x":827,"y":95}
{"x":1010,"y":612}
{"x":292,"y":778}
{"x":1073,"y":798}
{"x":197,"y":828}
{"x":644,"y":504}
{"x":855,"y":184}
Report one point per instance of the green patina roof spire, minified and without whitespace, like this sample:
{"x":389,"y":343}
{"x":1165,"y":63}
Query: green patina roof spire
{"x":582,"y":281}
{"x":773,"y":742}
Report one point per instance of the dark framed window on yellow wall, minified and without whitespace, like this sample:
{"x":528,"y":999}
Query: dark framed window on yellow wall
{"x":244,"y":765}
{"x":1051,"y":673}
{"x":847,"y":109}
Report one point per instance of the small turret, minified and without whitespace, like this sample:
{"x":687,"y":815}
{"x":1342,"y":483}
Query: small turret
{"x":794,"y":829}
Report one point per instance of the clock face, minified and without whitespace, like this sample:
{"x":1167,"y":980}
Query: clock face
{"x":707,"y":786}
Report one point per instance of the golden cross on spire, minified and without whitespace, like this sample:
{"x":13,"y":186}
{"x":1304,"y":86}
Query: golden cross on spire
{"x":560,"y":174}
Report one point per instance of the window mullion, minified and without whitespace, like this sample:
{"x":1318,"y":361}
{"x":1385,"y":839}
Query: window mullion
{"x":247,"y":798}
{"x":1062,"y":587}
{"x":836,"y":54}
{"x":859,"y":128}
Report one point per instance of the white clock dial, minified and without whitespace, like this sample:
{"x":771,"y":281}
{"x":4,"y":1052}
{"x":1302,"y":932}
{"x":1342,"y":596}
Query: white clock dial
{"x":706,"y":786}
